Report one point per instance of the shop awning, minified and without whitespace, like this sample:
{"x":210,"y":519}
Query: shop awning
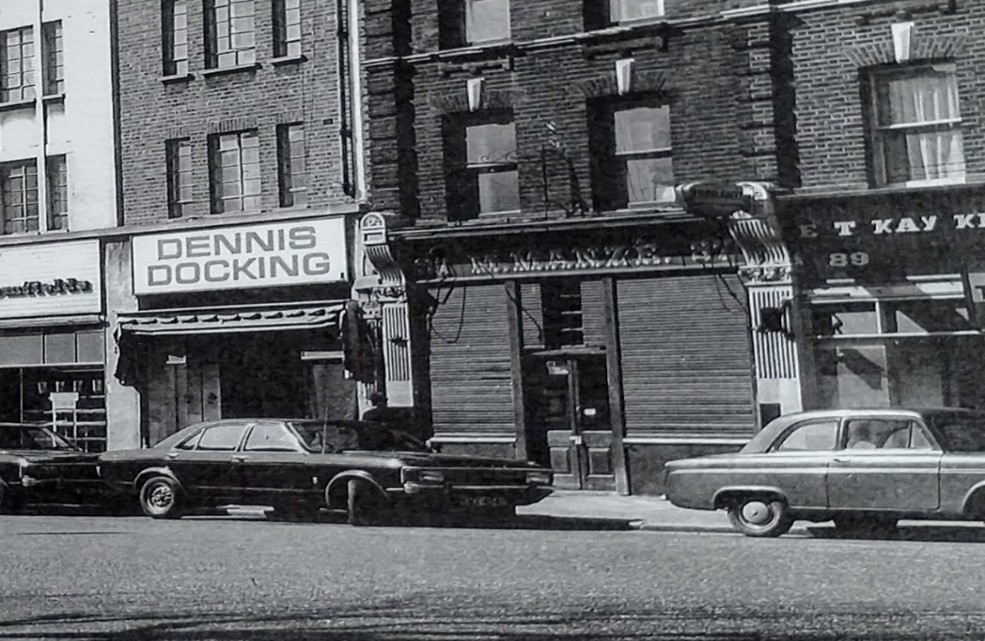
{"x":214,"y":320}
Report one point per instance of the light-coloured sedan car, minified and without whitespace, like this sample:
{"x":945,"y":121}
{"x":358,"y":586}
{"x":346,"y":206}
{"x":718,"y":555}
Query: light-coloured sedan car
{"x":863,"y":468}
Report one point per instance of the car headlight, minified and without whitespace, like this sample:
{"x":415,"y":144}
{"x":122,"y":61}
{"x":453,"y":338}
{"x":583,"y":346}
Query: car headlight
{"x":431,"y":476}
{"x":539,"y":478}
{"x":422,"y":476}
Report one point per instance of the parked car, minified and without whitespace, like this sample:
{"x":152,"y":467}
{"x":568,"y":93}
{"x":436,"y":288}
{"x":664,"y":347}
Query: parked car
{"x":368,"y":469}
{"x":863,"y":468}
{"x":39,"y":466}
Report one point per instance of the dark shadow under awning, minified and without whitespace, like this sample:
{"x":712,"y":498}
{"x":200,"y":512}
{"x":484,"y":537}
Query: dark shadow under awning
{"x":214,"y":320}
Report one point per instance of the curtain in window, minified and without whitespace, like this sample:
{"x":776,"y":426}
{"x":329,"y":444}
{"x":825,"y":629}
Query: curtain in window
{"x":925,"y":140}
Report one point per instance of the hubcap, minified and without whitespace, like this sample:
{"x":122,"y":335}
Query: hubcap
{"x":756,"y":512}
{"x":161,"y":497}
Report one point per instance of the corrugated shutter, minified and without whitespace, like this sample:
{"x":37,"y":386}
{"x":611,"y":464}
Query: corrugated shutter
{"x":686,"y":361}
{"x":532,"y":317}
{"x":593,"y":312}
{"x":471,"y":382}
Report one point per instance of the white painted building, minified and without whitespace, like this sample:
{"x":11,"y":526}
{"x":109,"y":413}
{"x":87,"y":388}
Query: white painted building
{"x":58,"y":187}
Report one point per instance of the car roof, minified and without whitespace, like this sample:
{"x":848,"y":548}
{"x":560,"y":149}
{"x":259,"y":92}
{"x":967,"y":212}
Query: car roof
{"x":766,"y":436}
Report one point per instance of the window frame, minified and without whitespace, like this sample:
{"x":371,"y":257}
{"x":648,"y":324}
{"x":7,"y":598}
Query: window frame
{"x":615,"y":9}
{"x":173,"y":63}
{"x":25,"y":166}
{"x":218,"y":197}
{"x":879,"y":134}
{"x":218,"y":45}
{"x":57,"y":184}
{"x":286,"y":46}
{"x":463,"y":190}
{"x":53,"y":58}
{"x":175,"y":151}
{"x":468,"y":32}
{"x":290,"y":194}
{"x":26,"y":75}
{"x":610,"y":167}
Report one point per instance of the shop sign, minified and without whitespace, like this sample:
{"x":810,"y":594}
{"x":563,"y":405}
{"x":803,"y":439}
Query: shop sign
{"x":268,"y":255}
{"x":50,"y":279}
{"x":641,"y":254}
{"x":880,"y":241}
{"x":715,"y":198}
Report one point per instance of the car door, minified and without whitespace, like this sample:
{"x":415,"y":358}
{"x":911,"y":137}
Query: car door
{"x":797,"y":462}
{"x":271,"y":464}
{"x":885,"y":463}
{"x":203,"y":464}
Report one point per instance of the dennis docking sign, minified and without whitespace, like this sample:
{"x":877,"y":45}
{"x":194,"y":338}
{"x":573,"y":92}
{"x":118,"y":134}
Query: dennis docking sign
{"x":268,"y":255}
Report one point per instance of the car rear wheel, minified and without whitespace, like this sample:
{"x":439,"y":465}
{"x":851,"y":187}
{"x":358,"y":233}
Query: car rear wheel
{"x":760,"y":516}
{"x":364,"y":504}
{"x":160,"y":498}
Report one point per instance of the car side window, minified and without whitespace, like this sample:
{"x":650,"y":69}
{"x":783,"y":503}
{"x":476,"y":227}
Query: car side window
{"x":339,"y":438}
{"x":886,"y":434}
{"x":190,"y":442}
{"x":224,"y":437}
{"x":816,"y":436}
{"x":271,"y":437}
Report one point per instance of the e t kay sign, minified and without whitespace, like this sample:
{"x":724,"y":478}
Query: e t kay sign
{"x":238,"y":257}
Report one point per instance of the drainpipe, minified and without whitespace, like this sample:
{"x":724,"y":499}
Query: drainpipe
{"x":40,"y":116}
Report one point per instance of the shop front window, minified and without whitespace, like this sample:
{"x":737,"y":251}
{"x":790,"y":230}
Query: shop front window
{"x":891,"y":353}
{"x":55,"y":378}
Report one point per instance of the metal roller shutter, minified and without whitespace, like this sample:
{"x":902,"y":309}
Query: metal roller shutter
{"x":686,"y":359}
{"x":470,"y":362}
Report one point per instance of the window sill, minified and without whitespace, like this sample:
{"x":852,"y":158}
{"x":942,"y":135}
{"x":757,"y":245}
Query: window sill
{"x":280,"y":61}
{"x":19,"y":104}
{"x":492,"y":48}
{"x":221,"y":71}
{"x":176,"y":78}
{"x":53,"y":99}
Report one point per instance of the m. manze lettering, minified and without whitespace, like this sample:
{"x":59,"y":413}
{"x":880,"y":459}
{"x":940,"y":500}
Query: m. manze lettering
{"x":237,"y":256}
{"x":47,"y":288}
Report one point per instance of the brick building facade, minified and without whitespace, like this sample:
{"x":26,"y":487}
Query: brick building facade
{"x":241,"y":178}
{"x":884,"y":215}
{"x":546,"y":292}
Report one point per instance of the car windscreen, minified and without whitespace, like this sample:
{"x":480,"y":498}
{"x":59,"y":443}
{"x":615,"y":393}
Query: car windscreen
{"x":961,"y":432}
{"x":339,"y":437}
{"x":32,"y":437}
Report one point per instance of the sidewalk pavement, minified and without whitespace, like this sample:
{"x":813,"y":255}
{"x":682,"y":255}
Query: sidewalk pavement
{"x":658,"y":514}
{"x":642,"y":512}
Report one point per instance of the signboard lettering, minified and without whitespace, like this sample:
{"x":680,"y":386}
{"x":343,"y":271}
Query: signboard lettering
{"x":50,"y":279}
{"x":258,"y":256}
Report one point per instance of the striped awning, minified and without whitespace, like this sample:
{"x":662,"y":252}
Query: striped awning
{"x":215,"y":320}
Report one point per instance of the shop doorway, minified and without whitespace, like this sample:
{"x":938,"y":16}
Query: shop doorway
{"x":568,"y":423}
{"x":261,"y":376}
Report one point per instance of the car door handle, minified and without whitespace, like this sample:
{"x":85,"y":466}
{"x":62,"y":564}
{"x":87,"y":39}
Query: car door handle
{"x":239,"y":458}
{"x":171,"y":455}
{"x":840,"y":460}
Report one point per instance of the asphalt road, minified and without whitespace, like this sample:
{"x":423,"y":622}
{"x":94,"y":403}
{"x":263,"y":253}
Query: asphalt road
{"x":83,"y":577}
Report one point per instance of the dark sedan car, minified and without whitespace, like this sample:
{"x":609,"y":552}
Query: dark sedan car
{"x":39,"y":466}
{"x":863,"y":468}
{"x":367,"y":469}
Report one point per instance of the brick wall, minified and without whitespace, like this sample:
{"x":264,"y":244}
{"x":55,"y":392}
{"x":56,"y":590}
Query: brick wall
{"x":707,"y":69}
{"x":830,"y":51}
{"x":152,"y":111}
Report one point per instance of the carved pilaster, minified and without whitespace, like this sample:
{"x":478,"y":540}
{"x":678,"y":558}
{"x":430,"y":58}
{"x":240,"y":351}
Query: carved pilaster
{"x":382,"y":294}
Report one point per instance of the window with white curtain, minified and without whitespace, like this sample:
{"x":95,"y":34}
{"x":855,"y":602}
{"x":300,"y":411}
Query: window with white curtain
{"x":917,"y":126}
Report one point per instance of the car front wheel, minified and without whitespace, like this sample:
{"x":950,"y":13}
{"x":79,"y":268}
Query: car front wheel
{"x":760,"y":516}
{"x":160,"y":498}
{"x":364,"y":505}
